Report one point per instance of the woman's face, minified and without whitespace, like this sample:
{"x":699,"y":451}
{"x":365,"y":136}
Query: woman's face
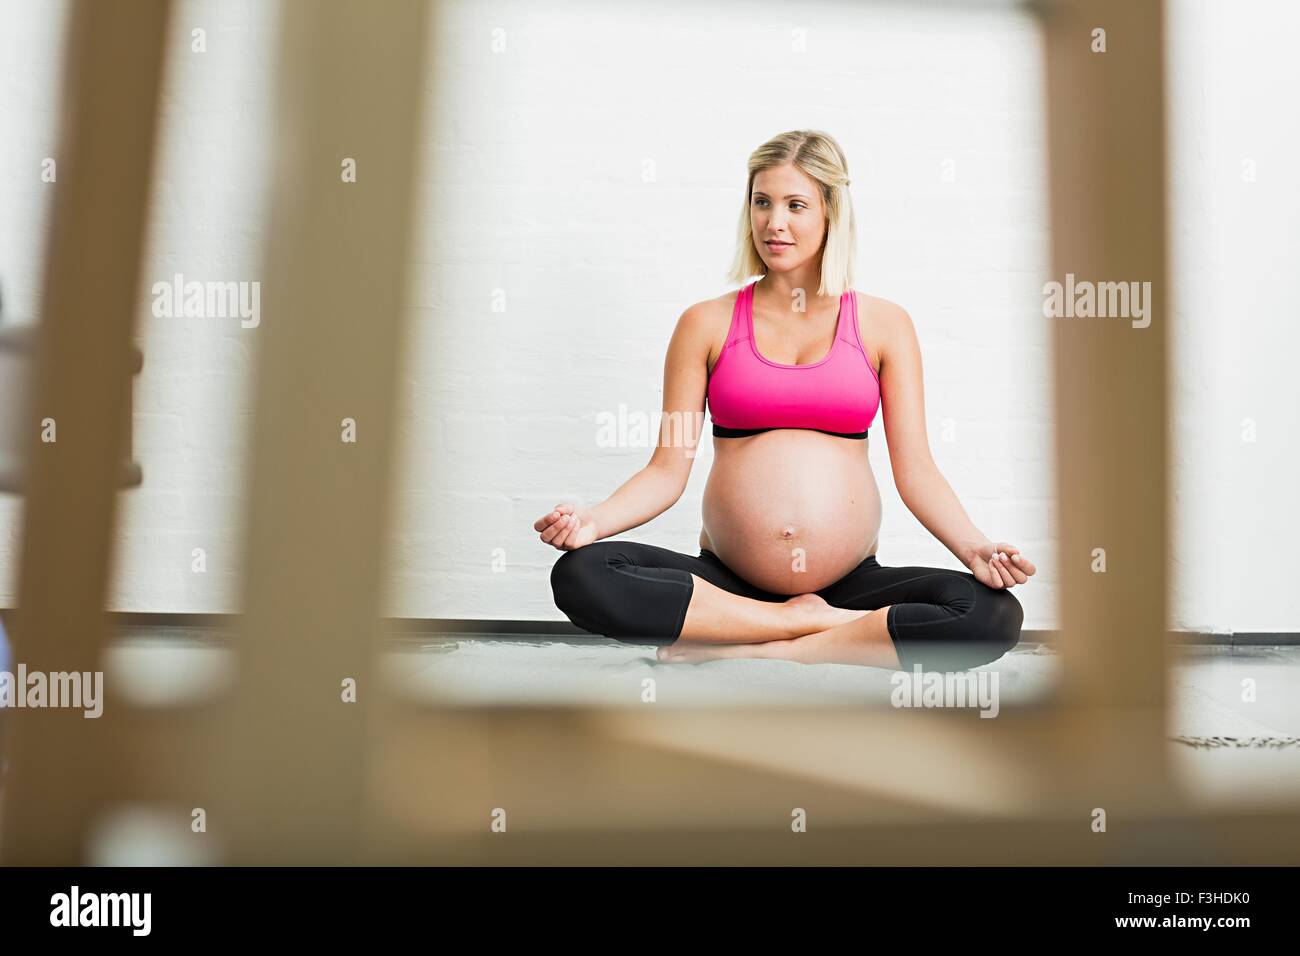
{"x":786,"y":205}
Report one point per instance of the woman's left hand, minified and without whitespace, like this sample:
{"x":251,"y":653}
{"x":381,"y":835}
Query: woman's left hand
{"x":999,"y":565}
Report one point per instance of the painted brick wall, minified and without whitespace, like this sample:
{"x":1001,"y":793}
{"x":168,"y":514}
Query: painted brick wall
{"x":584,"y":170}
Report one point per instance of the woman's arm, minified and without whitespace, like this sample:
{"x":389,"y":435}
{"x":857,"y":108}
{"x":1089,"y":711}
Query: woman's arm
{"x":922,"y":487}
{"x":643,"y":497}
{"x":658,"y":486}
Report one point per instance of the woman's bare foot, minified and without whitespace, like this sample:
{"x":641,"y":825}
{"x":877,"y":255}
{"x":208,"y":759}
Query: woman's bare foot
{"x":699,"y":653}
{"x":814,"y":616}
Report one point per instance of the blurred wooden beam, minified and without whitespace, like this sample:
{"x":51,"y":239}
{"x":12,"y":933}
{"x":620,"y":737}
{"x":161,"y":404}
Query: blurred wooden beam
{"x":59,"y":759}
{"x":696,"y":786}
{"x":1105,"y":120}
{"x":1218,"y":839}
{"x":290,"y":778}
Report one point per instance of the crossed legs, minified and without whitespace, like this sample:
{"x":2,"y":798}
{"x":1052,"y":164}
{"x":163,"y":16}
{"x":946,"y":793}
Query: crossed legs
{"x":804,"y":628}
{"x":696,"y":609}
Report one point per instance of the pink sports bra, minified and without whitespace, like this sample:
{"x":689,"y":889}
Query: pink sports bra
{"x":748,"y":394}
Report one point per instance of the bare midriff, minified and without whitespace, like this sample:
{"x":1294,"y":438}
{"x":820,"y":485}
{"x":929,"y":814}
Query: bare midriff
{"x":791,"y":510}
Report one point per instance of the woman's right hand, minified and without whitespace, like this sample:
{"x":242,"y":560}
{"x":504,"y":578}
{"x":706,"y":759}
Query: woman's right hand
{"x":567,"y":527}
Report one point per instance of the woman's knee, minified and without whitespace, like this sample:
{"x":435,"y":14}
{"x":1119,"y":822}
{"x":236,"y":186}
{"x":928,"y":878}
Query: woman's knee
{"x":574,"y":575}
{"x":1003,"y":619}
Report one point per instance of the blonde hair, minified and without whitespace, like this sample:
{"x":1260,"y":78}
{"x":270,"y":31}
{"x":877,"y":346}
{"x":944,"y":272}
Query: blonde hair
{"x":817,"y":155}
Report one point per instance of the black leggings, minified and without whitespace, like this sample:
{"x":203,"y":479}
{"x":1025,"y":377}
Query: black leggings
{"x":638,"y":593}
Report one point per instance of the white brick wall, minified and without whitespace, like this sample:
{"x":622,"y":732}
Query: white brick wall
{"x":588,"y":178}
{"x":1236,"y":254}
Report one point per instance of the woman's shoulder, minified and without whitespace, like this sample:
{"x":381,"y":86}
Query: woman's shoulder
{"x":879,"y":316}
{"x":877,"y":306}
{"x":707,"y":315}
{"x":882,"y":326}
{"x":703,"y":325}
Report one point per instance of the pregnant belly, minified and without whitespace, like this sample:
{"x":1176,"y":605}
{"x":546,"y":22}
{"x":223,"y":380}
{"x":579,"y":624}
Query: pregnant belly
{"x":791,"y":511}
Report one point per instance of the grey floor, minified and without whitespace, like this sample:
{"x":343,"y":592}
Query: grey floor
{"x":1226,"y":749}
{"x":1224,"y":745}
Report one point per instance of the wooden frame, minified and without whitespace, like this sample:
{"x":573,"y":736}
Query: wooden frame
{"x":60,"y":764}
{"x":294,"y":775}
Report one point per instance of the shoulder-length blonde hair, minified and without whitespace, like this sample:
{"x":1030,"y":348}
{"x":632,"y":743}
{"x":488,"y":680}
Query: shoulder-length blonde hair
{"x":817,"y":155}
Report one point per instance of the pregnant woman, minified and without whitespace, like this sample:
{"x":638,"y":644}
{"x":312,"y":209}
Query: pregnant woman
{"x":787,"y":566}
